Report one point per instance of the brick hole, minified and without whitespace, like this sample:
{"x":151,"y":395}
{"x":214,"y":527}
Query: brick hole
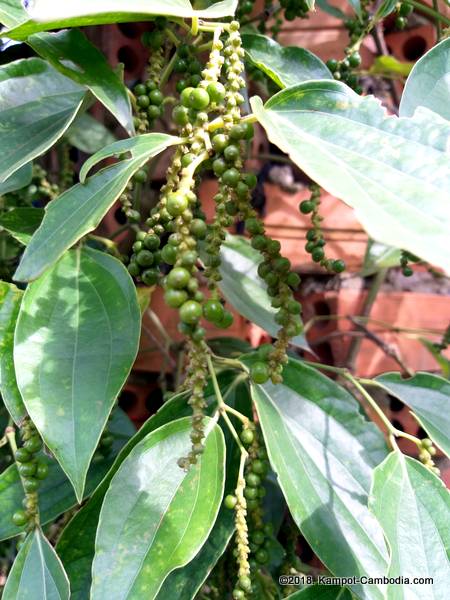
{"x":128,"y":57}
{"x":397,"y":424}
{"x":127,"y":400}
{"x":130,"y":30}
{"x":322,"y":309}
{"x":395,"y":405}
{"x":154,"y":400}
{"x":120,"y":216}
{"x":414,"y":47}
{"x":325,"y":353}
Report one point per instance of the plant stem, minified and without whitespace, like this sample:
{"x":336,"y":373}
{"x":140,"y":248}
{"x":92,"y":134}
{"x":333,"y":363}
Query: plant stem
{"x":438,"y":23}
{"x":429,"y":11}
{"x":167,"y":70}
{"x":366,"y":310}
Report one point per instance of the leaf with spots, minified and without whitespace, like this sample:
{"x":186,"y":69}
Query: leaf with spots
{"x":76,"y":339}
{"x":156,"y":516}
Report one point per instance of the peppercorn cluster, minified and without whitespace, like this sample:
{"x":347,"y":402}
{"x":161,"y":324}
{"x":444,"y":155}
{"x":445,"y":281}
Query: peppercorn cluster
{"x":33,"y":469}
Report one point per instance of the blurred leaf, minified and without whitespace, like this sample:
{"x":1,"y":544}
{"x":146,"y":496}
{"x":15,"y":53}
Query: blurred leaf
{"x":389,"y":65}
{"x":18,"y":180}
{"x":89,"y":135}
{"x":442,"y":361}
{"x":21,"y":223}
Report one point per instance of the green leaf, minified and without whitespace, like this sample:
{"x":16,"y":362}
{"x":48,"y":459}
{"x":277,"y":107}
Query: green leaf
{"x":155,"y":516}
{"x":12,"y":13}
{"x":380,"y":165}
{"x":285,"y":65}
{"x":81,"y":208}
{"x":428,"y":396}
{"x":325,"y":6}
{"x":56,"y":494}
{"x":324,"y":452}
{"x":442,"y":361}
{"x":45,"y":14}
{"x":10,"y":299}
{"x":413,"y":507}
{"x":76,"y":339}
{"x":389,"y":65}
{"x":38,"y":105}
{"x":21,"y":223}
{"x":385,"y":9}
{"x":18,"y":180}
{"x":428,"y":84}
{"x":378,"y":256}
{"x":73,"y":55}
{"x":244,"y":289}
{"x":89,"y":135}
{"x":37,"y":572}
{"x":321,"y":592}
{"x":184,"y":583}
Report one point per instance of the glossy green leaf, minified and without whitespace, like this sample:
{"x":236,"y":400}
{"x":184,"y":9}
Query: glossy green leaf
{"x":428,"y":84}
{"x":10,"y":299}
{"x":321,"y":592}
{"x":244,"y":289}
{"x":324,"y":452}
{"x":73,"y":55}
{"x":325,"y":6}
{"x":37,"y":572}
{"x":413,"y":507}
{"x":56,"y":494}
{"x":184,"y":583}
{"x":21,"y":223}
{"x":77,"y":543}
{"x":89,"y":135}
{"x":18,"y":180}
{"x":155,"y":516}
{"x":81,"y":208}
{"x":38,"y":105}
{"x":46,"y":14}
{"x":385,"y":8}
{"x":428,"y":396}
{"x":285,"y":65}
{"x":380,"y":165}
{"x":76,"y":339}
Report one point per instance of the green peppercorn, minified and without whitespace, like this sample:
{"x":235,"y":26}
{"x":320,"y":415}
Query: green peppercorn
{"x":259,"y":467}
{"x":180,"y":65}
{"x":354,"y":59}
{"x":180,"y":115}
{"x":187,"y":159}
{"x":143,"y":101}
{"x":213,"y":311}
{"x":153,"y":112}
{"x":133,"y":269}
{"x":219,"y":166}
{"x":199,"y":99}
{"x":178,"y":278}
{"x":30,"y":484}
{"x":317,"y":254}
{"x":231,"y":152}
{"x":216,"y":91}
{"x":175,"y":298}
{"x":306,"y":206}
{"x":151,"y":241}
{"x":190,"y":312}
{"x":140,"y":176}
{"x":20,"y":518}
{"x":33,"y":444}
{"x":250,"y":180}
{"x":219,"y":142}
{"x":338,"y":266}
{"x":22,"y":455}
{"x":185,"y":96}
{"x":42,"y":470}
{"x":230,"y":501}
{"x":188,"y":258}
{"x":198,"y":228}
{"x":27,"y":469}
{"x":177,"y":203}
{"x":245,"y":583}
{"x":156,"y":97}
{"x":332,"y":64}
{"x":150,"y":276}
{"x":259,"y":372}
{"x":231,"y":177}
{"x":247,"y":436}
{"x":253,"y":480}
{"x":144,"y":258}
